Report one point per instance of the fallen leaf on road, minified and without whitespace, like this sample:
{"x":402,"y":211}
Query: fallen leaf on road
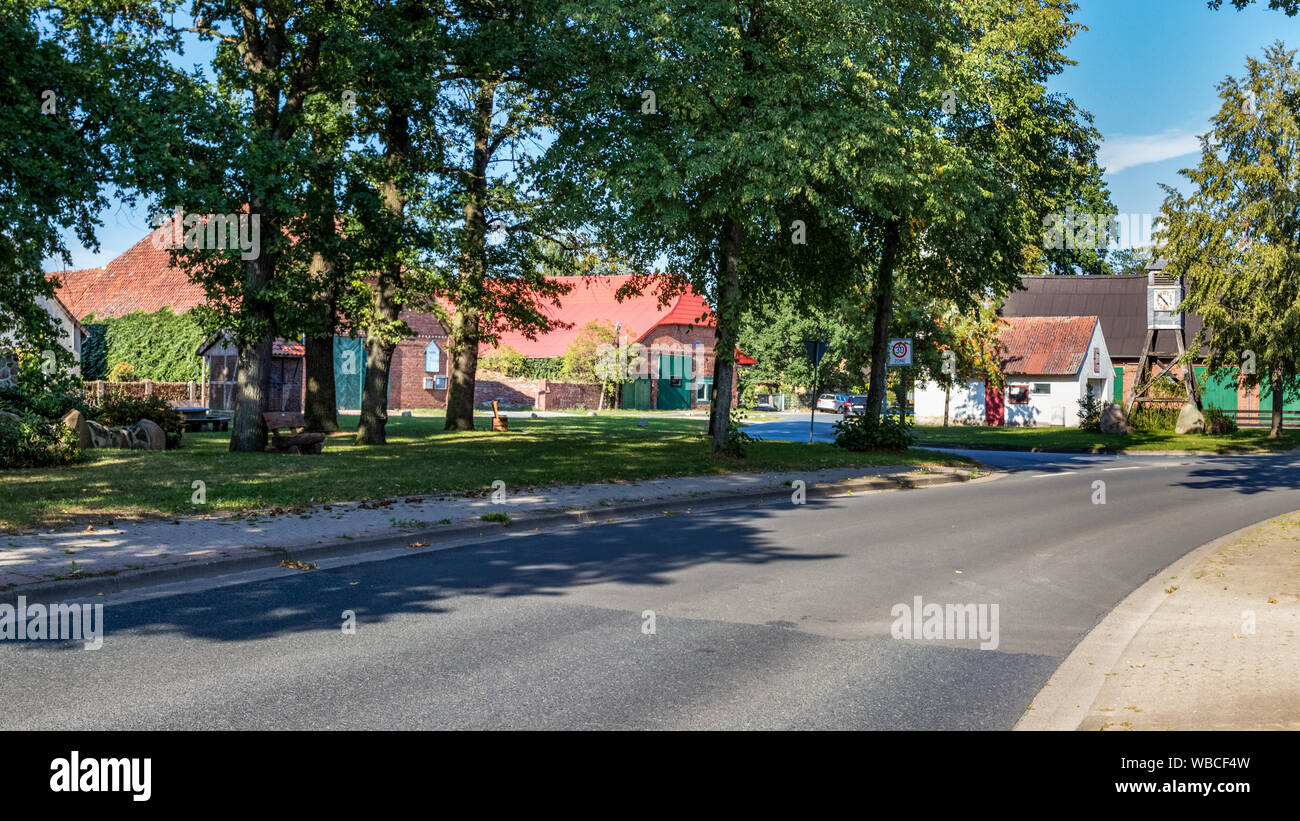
{"x":294,"y":564}
{"x":418,"y":544}
{"x":1272,"y":600}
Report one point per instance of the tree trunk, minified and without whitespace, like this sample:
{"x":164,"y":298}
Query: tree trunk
{"x":1279,"y":398}
{"x":380,"y":339}
{"x":462,"y":344}
{"x":947,"y":391}
{"x":728,"y":321}
{"x":320,"y":408}
{"x":884,"y":315}
{"x":463,"y":340}
{"x":253,"y":382}
{"x":372,"y":428}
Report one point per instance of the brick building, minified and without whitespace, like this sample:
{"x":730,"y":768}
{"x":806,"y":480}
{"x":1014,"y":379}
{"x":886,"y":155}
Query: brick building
{"x":678,"y":337}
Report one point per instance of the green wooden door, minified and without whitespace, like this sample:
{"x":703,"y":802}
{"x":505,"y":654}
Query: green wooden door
{"x":674,"y":383}
{"x":636,"y":394}
{"x":1119,"y":385}
{"x":1220,"y":392}
{"x":349,"y":371}
{"x":1290,"y":401}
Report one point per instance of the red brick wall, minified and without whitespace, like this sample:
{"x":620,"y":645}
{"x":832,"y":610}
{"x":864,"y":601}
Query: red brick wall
{"x":406,"y":375}
{"x":508,"y":391}
{"x":568,"y":396}
{"x":682,"y":339}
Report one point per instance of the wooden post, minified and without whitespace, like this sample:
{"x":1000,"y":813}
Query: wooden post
{"x":148,"y":388}
{"x":1138,"y":386}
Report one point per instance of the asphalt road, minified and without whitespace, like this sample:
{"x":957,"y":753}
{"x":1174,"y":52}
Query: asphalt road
{"x":770,"y":617}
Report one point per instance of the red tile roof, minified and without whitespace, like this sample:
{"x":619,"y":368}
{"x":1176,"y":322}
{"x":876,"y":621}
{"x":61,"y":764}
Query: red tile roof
{"x":592,"y":298}
{"x":140,"y":279}
{"x":1046,"y":345}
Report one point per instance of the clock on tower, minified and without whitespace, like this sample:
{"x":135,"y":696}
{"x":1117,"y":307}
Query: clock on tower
{"x":1164,"y":293}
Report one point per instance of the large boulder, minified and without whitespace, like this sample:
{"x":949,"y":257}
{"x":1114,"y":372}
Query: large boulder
{"x":79,"y":425}
{"x":12,"y":417}
{"x":148,"y":431}
{"x":1190,"y":420}
{"x":1114,"y":419}
{"x":102,"y":436}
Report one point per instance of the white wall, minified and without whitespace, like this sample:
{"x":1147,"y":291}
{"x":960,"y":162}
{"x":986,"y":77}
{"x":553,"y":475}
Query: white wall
{"x":1060,"y":407}
{"x":965,"y":403}
{"x":69,"y":331}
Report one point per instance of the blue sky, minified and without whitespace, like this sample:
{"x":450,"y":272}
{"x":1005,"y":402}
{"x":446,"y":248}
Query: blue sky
{"x":1146,"y":69}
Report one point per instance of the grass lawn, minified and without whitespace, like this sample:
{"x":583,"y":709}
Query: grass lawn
{"x":420,"y":459}
{"x":1247,"y":440}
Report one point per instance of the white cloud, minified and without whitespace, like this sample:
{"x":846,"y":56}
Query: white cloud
{"x":1127,"y":150}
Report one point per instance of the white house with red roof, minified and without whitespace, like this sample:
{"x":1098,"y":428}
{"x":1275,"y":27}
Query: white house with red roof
{"x":1050,"y":363}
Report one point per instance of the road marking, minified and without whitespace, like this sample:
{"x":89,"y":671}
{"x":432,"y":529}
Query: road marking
{"x":1058,"y":473}
{"x":1135,"y":467}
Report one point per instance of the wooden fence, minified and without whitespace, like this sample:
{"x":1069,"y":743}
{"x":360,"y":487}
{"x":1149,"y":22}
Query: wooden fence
{"x":177,"y":393}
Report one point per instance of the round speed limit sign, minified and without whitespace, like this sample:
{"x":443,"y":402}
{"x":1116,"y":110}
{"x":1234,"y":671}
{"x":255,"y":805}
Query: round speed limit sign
{"x":900,"y":352}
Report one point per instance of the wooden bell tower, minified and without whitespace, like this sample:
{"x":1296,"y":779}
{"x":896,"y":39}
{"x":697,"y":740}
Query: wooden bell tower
{"x":1164,"y":294}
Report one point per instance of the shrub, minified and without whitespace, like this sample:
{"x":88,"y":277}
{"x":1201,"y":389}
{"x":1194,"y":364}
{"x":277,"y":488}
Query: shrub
{"x":1153,"y":418}
{"x":122,"y":372}
{"x":1217,"y":422}
{"x":868,"y":432}
{"x":1090,"y":413}
{"x":120,"y":411}
{"x":32,"y":441}
{"x":47,"y":404}
{"x":505,"y":360}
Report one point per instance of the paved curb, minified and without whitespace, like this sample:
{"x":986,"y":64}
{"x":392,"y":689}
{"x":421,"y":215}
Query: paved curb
{"x":1066,"y":698}
{"x":188,"y":571}
{"x":1104,"y":451}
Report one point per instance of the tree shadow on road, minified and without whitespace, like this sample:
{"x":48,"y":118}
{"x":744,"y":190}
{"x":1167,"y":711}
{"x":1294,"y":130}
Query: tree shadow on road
{"x":643,"y":552}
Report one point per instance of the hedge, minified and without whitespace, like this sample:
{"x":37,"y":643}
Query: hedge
{"x":160,"y":346}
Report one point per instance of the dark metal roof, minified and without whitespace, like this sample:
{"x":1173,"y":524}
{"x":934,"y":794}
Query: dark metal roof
{"x":1120,"y":302}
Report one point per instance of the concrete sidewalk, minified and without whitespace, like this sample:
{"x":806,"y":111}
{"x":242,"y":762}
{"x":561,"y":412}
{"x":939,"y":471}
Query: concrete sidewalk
{"x":145,"y":548}
{"x":1212,"y":643}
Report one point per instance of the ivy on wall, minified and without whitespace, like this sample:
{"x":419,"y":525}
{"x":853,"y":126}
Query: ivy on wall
{"x":161,"y":346}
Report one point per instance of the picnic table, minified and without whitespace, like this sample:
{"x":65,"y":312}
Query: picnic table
{"x":197,"y":419}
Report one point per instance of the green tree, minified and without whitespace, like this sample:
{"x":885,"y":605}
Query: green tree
{"x":90,"y":103}
{"x":1236,"y":237}
{"x":505,"y":359}
{"x":1291,"y":7}
{"x":955,"y":195}
{"x":253,"y":155}
{"x":496,"y":114}
{"x":713,"y":125}
{"x":582,"y":359}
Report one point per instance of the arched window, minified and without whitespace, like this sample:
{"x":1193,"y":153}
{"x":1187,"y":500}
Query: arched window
{"x":432,"y":358}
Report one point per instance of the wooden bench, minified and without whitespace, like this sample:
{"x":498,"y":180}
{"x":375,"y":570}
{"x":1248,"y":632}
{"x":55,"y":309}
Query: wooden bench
{"x":295,"y":441}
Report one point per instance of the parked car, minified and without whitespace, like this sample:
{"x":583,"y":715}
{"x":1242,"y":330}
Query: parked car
{"x":853,"y":403}
{"x":831,"y":402}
